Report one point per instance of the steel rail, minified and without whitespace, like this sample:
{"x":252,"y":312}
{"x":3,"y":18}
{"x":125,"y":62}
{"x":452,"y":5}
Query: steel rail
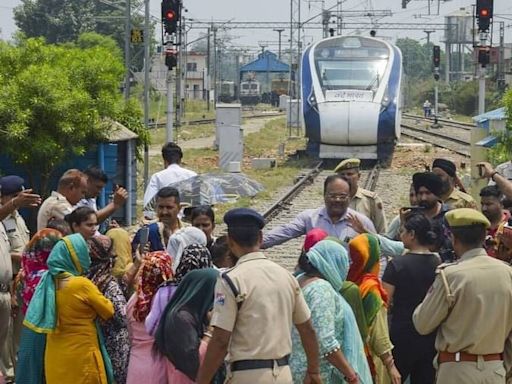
{"x":280,"y":204}
{"x":456,"y":147}
{"x":457,"y":124}
{"x":373,"y":178}
{"x":211,"y":121}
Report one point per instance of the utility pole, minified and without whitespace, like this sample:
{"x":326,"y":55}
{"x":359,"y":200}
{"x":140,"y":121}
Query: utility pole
{"x":127,"y":36}
{"x":428,"y":32}
{"x":436,"y":59}
{"x":170,"y":106}
{"x":501,"y":60}
{"x":208,"y":76}
{"x":147,"y":40}
{"x":279,"y":31}
{"x":179,"y":72}
{"x":481,"y":80}
{"x":214,"y":66}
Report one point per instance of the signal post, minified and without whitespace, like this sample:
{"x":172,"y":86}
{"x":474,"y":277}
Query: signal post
{"x":483,"y":16}
{"x":436,"y":58}
{"x":484,"y":13}
{"x":171,"y":16}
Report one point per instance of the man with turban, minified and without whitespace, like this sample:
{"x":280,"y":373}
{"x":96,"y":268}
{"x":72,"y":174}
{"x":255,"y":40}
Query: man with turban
{"x":429,"y":187}
{"x":450,"y":195}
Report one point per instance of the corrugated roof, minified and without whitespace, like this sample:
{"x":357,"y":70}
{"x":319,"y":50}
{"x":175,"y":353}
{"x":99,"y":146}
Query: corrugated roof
{"x":118,"y":132}
{"x":497,"y":114}
{"x":266,"y":62}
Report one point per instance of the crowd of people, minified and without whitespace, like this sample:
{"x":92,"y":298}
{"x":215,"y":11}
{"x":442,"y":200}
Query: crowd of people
{"x":427,"y":298}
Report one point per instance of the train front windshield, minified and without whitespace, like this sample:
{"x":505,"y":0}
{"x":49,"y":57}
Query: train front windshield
{"x":350,"y":63}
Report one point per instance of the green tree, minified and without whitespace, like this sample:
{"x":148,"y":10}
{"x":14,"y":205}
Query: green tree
{"x":57,"y":100}
{"x":56,"y":20}
{"x":417,"y":58}
{"x":503,"y":150}
{"x":60,"y":21}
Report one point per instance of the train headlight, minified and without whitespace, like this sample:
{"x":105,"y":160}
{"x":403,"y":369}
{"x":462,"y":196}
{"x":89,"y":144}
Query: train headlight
{"x":312,"y":101}
{"x":385,"y":100}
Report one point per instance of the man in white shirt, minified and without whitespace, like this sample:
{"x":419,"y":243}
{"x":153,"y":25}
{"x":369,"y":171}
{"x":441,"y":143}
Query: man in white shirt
{"x":173,"y":172}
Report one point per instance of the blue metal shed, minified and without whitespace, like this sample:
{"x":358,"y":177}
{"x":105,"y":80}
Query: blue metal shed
{"x":492,"y":121}
{"x":265,"y":68}
{"x":115,"y":156}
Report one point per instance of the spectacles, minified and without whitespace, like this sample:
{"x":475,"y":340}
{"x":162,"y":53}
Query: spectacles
{"x":333,"y":196}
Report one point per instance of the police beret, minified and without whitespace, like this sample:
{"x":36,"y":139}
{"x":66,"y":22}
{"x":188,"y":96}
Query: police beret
{"x":429,"y":180}
{"x":463,"y":217}
{"x":347,"y":164}
{"x":446,"y":165}
{"x":9,"y":185}
{"x":245,"y":217}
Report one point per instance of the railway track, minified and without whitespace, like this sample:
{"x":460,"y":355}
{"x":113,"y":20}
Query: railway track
{"x":307,"y":193}
{"x":444,"y":122}
{"x":212,"y":121}
{"x":438,"y":139}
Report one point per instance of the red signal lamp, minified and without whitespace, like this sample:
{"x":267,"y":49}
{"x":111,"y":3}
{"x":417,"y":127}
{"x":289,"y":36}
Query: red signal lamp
{"x":170,"y":15}
{"x":484,"y":12}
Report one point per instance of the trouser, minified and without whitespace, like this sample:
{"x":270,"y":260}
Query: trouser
{"x":277,"y":375}
{"x":481,"y":372}
{"x":6,"y":363}
{"x":413,"y":356}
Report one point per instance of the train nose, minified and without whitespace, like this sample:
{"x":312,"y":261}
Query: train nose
{"x":349,"y":123}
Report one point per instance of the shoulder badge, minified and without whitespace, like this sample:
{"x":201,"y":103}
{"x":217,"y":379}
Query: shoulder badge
{"x":449,"y":295}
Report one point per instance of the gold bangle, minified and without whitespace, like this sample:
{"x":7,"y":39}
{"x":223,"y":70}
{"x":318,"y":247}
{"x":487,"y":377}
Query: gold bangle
{"x":207,"y":334}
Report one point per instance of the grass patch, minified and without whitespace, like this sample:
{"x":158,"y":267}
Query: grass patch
{"x":264,"y":143}
{"x":185,"y":132}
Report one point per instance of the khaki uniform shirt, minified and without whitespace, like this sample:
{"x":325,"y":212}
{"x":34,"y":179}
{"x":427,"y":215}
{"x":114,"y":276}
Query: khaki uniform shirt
{"x":5,"y":257}
{"x":460,"y":199}
{"x":370,"y":205}
{"x":272,"y":303}
{"x":56,"y":206}
{"x":475,"y":316}
{"x":18,"y":234}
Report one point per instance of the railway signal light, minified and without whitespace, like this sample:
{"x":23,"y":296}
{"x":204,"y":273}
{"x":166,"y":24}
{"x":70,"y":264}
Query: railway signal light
{"x":171,"y":59}
{"x":484,"y":11}
{"x":484,"y":57}
{"x":436,"y":56}
{"x":171,"y":12}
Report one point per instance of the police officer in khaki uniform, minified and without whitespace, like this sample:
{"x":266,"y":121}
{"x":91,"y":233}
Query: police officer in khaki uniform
{"x":71,"y":189}
{"x":14,"y":224}
{"x":256,"y":304}
{"x":470,"y":305}
{"x":362,"y":200}
{"x":451,"y":196}
{"x":6,"y":363}
{"x":19,"y":236}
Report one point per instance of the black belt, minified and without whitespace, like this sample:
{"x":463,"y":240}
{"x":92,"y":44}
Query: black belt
{"x":245,"y":365}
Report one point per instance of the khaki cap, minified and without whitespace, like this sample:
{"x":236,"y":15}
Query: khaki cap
{"x":463,"y":217}
{"x":347,"y":164}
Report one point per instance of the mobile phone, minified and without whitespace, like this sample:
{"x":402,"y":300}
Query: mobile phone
{"x":144,"y":237}
{"x":413,"y":208}
{"x":480,"y":170}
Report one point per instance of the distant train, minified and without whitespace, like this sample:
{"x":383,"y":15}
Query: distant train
{"x":227,"y":92}
{"x":250,"y":92}
{"x":351,"y":98}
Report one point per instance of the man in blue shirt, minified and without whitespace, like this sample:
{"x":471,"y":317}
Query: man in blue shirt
{"x":335,"y":217}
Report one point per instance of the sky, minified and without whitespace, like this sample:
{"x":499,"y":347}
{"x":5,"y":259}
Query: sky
{"x":279,"y":10}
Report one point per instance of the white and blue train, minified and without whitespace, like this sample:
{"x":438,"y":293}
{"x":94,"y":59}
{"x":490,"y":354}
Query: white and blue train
{"x":351,"y":99}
